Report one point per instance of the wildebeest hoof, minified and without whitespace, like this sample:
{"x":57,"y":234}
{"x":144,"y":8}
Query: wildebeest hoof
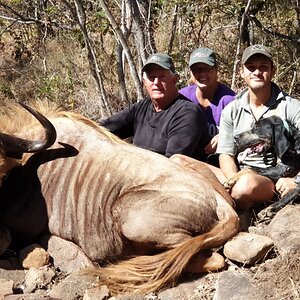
{"x":229,"y":183}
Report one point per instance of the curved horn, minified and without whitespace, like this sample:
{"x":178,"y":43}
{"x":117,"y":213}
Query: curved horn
{"x":15,"y":147}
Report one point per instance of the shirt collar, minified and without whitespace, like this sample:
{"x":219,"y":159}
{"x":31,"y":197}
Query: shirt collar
{"x":276,"y":96}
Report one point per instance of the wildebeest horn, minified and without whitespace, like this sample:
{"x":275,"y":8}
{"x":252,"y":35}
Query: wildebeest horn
{"x":14,"y":147}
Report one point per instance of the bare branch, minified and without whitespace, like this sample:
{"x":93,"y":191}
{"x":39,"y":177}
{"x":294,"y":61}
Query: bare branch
{"x":174,"y":24}
{"x":236,"y":61}
{"x":295,"y":39}
{"x":94,"y":66}
{"x":18,"y":18}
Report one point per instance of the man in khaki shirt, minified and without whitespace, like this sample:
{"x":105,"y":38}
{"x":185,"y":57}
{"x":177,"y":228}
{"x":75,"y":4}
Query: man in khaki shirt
{"x":262,"y":99}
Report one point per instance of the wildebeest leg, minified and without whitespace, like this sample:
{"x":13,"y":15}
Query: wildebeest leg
{"x":270,"y":211}
{"x":229,"y":183}
{"x":173,"y":226}
{"x":206,"y":261}
{"x":144,"y":274}
{"x":152,"y":226}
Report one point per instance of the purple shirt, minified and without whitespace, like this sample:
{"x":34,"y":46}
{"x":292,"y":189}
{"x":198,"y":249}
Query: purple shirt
{"x":223,"y":96}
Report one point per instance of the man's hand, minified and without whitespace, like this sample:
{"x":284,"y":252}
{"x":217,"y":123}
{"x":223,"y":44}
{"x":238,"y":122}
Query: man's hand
{"x":285,"y":185}
{"x":211,"y":147}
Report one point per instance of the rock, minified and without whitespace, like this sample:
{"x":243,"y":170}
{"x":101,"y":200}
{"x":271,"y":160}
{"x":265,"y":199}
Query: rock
{"x":73,"y":287}
{"x":191,"y":287}
{"x":17,"y":276}
{"x":37,"y":278}
{"x":34,"y":256}
{"x":29,"y":297}
{"x":67,"y":256}
{"x":128,"y":297}
{"x":98,"y":293}
{"x":6,"y":287}
{"x":247,"y":248}
{"x":284,"y":229}
{"x":234,"y":285}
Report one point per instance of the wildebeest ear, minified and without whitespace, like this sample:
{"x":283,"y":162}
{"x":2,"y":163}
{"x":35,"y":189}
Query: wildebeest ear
{"x":281,"y":141}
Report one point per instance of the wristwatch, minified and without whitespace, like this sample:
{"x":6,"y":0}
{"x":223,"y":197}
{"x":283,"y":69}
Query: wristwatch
{"x":297,"y":179}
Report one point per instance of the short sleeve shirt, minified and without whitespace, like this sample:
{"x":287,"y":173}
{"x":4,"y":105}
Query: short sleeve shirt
{"x":223,"y":96}
{"x":180,"y":128}
{"x":237,"y":118}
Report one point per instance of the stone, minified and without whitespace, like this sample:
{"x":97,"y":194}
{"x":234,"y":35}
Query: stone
{"x":284,"y":230}
{"x":98,"y":293}
{"x":67,"y":256}
{"x":34,"y":256}
{"x":247,"y":248}
{"x":235,"y":285}
{"x":6,"y":287}
{"x":37,"y":278}
{"x":73,"y":286}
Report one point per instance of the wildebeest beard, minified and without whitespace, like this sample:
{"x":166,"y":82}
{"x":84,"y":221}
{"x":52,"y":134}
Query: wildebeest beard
{"x":273,"y":135}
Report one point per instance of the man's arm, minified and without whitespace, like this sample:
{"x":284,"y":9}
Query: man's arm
{"x":120,"y":124}
{"x":188,"y":130}
{"x":228,"y":165}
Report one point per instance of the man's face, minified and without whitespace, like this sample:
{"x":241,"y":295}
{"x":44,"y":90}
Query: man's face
{"x":204,"y":76}
{"x":258,"y":72}
{"x":160,"y":83}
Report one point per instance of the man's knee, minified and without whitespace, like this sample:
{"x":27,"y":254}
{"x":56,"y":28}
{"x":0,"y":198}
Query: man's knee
{"x":253,"y":188}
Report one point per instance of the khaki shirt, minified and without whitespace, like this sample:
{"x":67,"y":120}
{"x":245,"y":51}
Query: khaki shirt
{"x":237,"y":117}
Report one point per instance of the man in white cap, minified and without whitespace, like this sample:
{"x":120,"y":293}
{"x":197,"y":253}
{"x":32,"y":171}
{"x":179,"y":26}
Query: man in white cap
{"x":165,"y":121}
{"x":262,"y":99}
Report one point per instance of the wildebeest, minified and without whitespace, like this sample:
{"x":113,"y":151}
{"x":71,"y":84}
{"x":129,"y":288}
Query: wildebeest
{"x":272,"y":134}
{"x":114,"y":200}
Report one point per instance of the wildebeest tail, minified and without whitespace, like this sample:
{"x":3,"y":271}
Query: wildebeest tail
{"x":144,"y":274}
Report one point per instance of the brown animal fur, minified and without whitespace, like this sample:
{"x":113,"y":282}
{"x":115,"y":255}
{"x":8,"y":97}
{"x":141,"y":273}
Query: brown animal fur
{"x":150,"y":212}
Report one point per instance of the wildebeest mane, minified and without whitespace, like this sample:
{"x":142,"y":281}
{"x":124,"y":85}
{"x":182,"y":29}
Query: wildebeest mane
{"x":14,"y":119}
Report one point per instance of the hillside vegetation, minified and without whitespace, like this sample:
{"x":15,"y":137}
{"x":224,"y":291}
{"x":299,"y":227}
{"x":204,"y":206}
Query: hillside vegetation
{"x":87,"y":55}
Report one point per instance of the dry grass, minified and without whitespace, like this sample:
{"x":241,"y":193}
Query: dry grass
{"x":279,"y":278}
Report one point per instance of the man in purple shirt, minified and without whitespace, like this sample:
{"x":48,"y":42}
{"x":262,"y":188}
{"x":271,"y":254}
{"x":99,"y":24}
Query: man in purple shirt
{"x":207,"y":91}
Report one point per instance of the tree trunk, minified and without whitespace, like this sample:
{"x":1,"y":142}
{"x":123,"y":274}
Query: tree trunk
{"x":94,"y":66}
{"x":120,"y":37}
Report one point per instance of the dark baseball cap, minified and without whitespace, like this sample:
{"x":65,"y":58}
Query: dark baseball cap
{"x":203,"y":55}
{"x":256,"y":49}
{"x":161,"y":59}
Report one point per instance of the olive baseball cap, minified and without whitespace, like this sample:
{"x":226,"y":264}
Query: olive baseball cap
{"x":256,"y":49}
{"x":203,"y":55}
{"x":161,"y":59}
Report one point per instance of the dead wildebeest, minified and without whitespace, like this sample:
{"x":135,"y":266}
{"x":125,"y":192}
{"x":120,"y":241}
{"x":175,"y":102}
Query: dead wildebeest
{"x":272,"y":134}
{"x":151,"y":216}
